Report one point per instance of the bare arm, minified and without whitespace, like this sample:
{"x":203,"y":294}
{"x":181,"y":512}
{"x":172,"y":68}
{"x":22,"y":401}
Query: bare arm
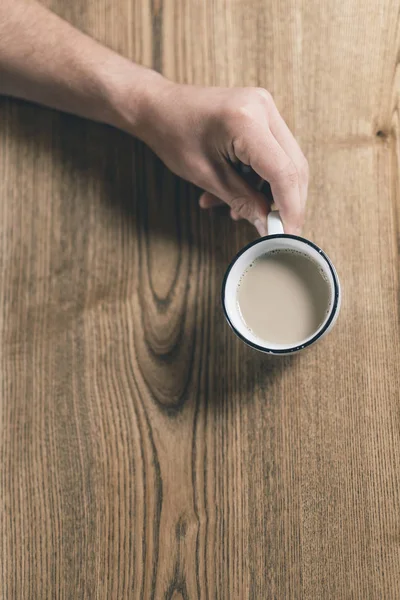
{"x":200,"y":133}
{"x":45,"y":60}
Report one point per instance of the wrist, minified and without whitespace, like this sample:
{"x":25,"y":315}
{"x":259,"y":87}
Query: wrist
{"x":132,"y":93}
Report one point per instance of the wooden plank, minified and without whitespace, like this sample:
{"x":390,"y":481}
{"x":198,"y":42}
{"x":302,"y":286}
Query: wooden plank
{"x":144,"y":451}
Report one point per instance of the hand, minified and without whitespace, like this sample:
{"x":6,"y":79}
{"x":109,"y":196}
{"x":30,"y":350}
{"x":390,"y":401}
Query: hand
{"x":202,"y":133}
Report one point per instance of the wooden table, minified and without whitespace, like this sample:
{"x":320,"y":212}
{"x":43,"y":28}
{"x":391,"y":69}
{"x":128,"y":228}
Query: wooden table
{"x":144,"y":451}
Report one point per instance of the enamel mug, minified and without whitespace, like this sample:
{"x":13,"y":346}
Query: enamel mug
{"x":278,"y":240}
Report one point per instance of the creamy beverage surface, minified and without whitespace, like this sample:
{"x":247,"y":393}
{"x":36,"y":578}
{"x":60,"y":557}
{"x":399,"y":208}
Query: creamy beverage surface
{"x":283,"y":297}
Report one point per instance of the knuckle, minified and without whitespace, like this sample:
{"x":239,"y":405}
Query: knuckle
{"x":240,"y":110}
{"x":244,"y":104}
{"x":288,"y":174}
{"x":240,"y":115}
{"x":242,"y":207}
{"x":203,"y":174}
{"x":264,"y":94}
{"x":244,"y":112}
{"x":293,"y":178}
{"x":240,"y":148}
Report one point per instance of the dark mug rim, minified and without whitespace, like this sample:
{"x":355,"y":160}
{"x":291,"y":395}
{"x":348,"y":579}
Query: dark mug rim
{"x":333,"y":311}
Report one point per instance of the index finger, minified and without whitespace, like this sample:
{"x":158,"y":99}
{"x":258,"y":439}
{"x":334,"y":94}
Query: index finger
{"x":267,"y":158}
{"x":289,"y":144}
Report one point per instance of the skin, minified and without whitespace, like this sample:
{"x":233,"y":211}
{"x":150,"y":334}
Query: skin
{"x":201,"y":133}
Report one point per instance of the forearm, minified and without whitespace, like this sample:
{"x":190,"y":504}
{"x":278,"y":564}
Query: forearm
{"x":198,"y":132}
{"x":45,"y":60}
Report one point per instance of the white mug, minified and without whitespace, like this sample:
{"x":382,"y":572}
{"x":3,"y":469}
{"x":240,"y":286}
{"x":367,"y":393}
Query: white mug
{"x":277,"y":240}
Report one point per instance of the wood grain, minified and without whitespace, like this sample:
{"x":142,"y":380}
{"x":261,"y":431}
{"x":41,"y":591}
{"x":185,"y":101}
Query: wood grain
{"x":144,"y":451}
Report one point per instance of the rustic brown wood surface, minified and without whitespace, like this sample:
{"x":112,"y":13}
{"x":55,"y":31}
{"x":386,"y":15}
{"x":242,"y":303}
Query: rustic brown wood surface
{"x":144,"y":451}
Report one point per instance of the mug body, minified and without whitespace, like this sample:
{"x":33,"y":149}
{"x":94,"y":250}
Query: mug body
{"x":235,"y":271}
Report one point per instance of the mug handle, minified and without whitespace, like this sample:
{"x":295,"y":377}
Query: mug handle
{"x":274,"y":222}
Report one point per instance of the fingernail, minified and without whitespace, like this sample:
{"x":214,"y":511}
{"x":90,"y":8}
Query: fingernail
{"x":261,"y":226}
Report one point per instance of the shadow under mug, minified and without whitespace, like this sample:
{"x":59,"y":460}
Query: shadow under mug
{"x":277,"y":240}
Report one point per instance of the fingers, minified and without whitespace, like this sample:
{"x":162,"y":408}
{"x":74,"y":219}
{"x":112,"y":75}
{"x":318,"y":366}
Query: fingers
{"x":259,"y":148}
{"x":245,"y":202}
{"x":208,"y":200}
{"x":263,"y":143}
{"x":288,"y":143}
